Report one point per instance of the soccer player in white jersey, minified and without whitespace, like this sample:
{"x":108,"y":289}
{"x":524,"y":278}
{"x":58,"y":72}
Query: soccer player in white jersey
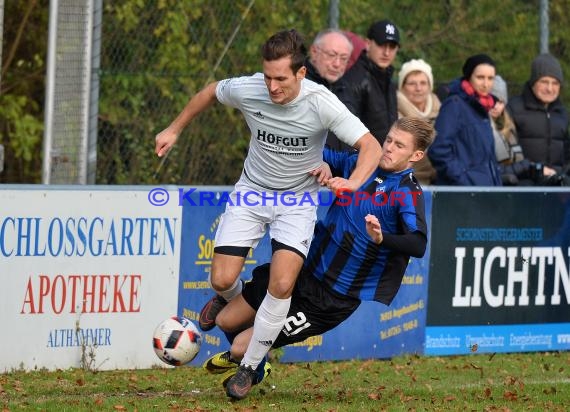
{"x":289,"y":118}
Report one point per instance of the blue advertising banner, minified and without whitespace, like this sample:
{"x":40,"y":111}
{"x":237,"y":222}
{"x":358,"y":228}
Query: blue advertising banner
{"x":446,"y":340}
{"x":201,"y":211}
{"x":499,"y":276}
{"x":373,"y":331}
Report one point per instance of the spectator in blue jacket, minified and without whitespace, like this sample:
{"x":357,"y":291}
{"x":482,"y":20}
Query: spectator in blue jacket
{"x":463,"y":152}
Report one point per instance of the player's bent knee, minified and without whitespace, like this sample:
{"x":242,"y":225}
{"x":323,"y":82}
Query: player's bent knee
{"x":221,"y":282}
{"x":222,"y":322}
{"x":220,"y":285}
{"x":281,"y":289}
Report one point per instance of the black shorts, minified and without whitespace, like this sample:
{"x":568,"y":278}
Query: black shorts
{"x":315,"y":309}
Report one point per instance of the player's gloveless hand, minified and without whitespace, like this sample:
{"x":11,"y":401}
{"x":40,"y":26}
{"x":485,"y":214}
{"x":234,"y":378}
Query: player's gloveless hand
{"x":338,"y":184}
{"x":373,"y":228}
{"x":164,"y":141}
{"x":322,"y":173}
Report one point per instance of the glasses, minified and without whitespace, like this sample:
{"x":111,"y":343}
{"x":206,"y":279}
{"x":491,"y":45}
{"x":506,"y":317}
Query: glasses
{"x":332,"y":56}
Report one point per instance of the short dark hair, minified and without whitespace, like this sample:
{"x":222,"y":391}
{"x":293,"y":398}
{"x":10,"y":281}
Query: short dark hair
{"x":286,"y":43}
{"x":422,"y":130}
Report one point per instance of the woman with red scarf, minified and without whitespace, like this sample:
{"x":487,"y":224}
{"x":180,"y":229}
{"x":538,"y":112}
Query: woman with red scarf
{"x":463,"y":152}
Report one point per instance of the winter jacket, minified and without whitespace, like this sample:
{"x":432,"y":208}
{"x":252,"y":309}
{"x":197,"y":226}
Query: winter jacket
{"x":515,"y":169}
{"x":542,"y":130}
{"x":463,"y":152}
{"x":313,"y":74}
{"x":369,"y":93}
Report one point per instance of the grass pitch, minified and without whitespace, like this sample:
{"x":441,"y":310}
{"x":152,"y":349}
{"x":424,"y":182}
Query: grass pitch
{"x":478,"y":382}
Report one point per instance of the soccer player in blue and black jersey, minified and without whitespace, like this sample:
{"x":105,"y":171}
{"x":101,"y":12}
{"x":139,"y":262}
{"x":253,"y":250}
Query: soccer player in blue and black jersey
{"x":360,"y":250}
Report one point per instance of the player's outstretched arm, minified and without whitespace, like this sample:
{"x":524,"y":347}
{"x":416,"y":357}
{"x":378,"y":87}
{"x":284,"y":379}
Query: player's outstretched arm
{"x":369,"y":152}
{"x":197,"y":104}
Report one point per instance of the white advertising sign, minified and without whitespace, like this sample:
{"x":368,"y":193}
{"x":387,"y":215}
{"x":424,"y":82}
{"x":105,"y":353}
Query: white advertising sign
{"x":85,"y":277}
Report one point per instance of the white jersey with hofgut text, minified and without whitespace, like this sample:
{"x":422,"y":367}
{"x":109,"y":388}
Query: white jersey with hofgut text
{"x":287,"y":140}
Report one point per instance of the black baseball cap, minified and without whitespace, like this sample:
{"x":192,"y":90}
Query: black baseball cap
{"x":384,"y":31}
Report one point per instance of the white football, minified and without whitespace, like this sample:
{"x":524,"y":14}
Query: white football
{"x":176,"y":340}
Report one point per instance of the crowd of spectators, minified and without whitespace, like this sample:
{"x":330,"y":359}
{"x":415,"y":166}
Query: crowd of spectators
{"x":483,"y":137}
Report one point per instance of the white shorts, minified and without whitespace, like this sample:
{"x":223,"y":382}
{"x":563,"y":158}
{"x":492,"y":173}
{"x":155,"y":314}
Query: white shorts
{"x":248,"y":215}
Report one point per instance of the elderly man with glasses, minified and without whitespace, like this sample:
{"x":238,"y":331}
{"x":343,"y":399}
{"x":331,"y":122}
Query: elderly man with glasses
{"x":328,"y":61}
{"x":329,"y":55}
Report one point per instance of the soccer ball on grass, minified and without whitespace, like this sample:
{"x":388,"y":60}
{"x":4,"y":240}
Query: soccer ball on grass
{"x":176,"y":340}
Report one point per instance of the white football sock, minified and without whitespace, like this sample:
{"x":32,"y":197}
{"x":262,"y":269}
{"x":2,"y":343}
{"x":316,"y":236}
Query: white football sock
{"x":233,"y":291}
{"x":269,"y":321}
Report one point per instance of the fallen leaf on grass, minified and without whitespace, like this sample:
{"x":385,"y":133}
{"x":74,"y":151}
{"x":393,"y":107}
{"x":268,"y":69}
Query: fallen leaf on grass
{"x":510,"y":396}
{"x":397,"y":367}
{"x":549,"y":391}
{"x":480,"y":369}
{"x":510,"y":380}
{"x":406,"y":398}
{"x":375,"y":396}
{"x":493,"y":408}
{"x":365,"y":365}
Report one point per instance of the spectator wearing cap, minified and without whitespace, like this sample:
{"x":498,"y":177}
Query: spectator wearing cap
{"x":540,"y":118}
{"x":368,"y":90}
{"x":416,"y":99}
{"x":463,"y":152}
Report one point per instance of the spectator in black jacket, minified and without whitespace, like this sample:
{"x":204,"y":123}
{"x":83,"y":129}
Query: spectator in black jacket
{"x":329,"y":56}
{"x":367,"y":87}
{"x":540,"y":117}
{"x":516,"y":170}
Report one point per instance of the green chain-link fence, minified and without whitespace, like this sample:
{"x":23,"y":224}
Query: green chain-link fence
{"x":155,"y":54}
{"x":155,"y":59}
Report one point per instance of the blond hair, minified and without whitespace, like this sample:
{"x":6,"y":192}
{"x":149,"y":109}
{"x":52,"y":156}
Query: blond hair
{"x":422,"y":130}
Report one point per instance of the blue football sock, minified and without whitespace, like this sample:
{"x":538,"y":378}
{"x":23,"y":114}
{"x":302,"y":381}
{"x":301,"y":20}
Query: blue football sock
{"x":260,"y":371}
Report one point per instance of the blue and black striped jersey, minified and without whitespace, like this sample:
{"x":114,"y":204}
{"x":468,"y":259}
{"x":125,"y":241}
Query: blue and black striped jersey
{"x":344,"y":257}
